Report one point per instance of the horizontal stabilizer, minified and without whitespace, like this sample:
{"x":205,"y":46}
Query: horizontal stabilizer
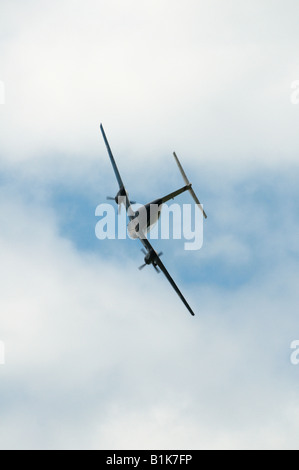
{"x":187,"y":182}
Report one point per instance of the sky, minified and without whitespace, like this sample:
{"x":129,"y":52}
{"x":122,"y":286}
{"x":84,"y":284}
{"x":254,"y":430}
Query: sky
{"x":99,"y":355}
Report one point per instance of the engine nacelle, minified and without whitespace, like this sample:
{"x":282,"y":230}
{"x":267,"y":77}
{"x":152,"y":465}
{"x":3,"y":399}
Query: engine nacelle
{"x":120,"y":195}
{"x":150,"y":257}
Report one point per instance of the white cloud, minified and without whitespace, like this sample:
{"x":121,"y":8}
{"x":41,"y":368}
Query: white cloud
{"x":93,"y":349}
{"x":159,"y":75}
{"x":228,"y":248}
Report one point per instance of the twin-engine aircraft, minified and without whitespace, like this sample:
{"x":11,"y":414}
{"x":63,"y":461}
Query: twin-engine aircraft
{"x":142,"y":221}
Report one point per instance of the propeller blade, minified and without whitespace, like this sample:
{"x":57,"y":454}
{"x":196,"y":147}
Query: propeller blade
{"x":142,"y":266}
{"x":160,"y":254}
{"x":158,"y":271}
{"x":109,"y":198}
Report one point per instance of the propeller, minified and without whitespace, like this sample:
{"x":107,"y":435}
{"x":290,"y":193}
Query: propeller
{"x":152,"y":261}
{"x":143,"y":265}
{"x":155,"y":266}
{"x":109,"y":198}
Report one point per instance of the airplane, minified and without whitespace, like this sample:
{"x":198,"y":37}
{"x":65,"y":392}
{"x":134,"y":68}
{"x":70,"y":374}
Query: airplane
{"x":143,"y":220}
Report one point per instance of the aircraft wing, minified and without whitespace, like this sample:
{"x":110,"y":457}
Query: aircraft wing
{"x":118,"y":177}
{"x":159,"y":263}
